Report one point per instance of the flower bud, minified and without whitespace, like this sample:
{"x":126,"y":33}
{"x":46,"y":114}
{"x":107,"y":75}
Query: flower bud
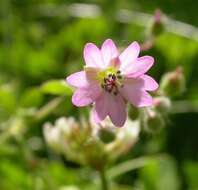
{"x":106,"y":135}
{"x":162,"y":104}
{"x":133,"y":113}
{"x":70,"y":138}
{"x":52,"y":136}
{"x":152,"y":120}
{"x":157,"y":26}
{"x":173,"y":83}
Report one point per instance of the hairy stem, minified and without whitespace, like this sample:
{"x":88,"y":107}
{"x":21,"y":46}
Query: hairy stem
{"x":103,"y":178}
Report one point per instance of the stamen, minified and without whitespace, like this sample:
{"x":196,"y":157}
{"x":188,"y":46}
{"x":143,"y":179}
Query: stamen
{"x":119,"y":76}
{"x":112,"y":81}
{"x":113,"y":77}
{"x":110,"y":75}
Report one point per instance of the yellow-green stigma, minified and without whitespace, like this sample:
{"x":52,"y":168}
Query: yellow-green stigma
{"x":111,"y":79}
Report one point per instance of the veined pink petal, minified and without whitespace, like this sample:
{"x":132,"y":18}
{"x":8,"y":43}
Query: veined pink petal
{"x":109,"y":51}
{"x":136,"y":95}
{"x":139,"y":67}
{"x":81,"y":98}
{"x":117,"y":110}
{"x":114,"y":106}
{"x":92,"y":56}
{"x":143,"y":82}
{"x":129,"y":55}
{"x":85,"y":96}
{"x":95,"y":117}
{"x":91,"y":73}
{"x":78,"y":79}
{"x":83,"y":79}
{"x":149,"y":83}
{"x":101,"y":108}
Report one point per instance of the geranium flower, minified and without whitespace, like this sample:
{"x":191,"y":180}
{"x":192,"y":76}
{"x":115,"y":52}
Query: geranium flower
{"x":110,"y":80}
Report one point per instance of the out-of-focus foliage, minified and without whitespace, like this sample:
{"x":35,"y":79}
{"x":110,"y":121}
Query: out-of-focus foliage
{"x":41,"y":42}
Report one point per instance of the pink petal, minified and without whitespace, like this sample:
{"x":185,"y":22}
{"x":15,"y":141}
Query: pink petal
{"x":136,"y":95}
{"x":140,"y":66}
{"x":114,"y":106}
{"x":85,"y":96}
{"x":78,"y":79}
{"x":92,"y":56}
{"x":117,"y":110}
{"x":129,"y":55}
{"x":109,"y":51}
{"x":101,"y":108}
{"x":91,"y":74}
{"x":95,"y":117}
{"x":149,"y":83}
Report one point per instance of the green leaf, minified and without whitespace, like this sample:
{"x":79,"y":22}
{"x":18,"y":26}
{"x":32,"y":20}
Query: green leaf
{"x":32,"y":97}
{"x":13,"y":176}
{"x":160,"y":174}
{"x":191,"y":173}
{"x":7,"y":101}
{"x":56,"y":87}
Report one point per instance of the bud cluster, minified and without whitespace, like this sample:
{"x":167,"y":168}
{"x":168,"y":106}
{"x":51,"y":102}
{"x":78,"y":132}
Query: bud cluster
{"x":88,"y":143}
{"x":158,"y":25}
{"x":172,"y":84}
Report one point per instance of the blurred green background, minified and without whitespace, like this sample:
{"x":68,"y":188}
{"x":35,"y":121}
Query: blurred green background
{"x":41,"y":42}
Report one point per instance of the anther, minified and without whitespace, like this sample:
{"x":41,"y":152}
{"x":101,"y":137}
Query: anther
{"x":113,"y":77}
{"x":119,"y":76}
{"x":112,"y":82}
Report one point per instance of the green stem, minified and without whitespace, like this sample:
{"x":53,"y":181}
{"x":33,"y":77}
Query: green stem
{"x":128,"y":166}
{"x":48,"y":108}
{"x":103,"y":178}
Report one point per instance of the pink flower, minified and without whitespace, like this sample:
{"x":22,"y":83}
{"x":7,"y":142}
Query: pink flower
{"x":110,"y":80}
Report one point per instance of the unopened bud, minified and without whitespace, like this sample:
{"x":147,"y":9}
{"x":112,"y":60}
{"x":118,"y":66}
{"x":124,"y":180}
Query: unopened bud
{"x":157,"y":26}
{"x":173,"y":83}
{"x":106,"y":135}
{"x":153,"y":121}
{"x":52,"y":136}
{"x":133,"y":113}
{"x":162,"y":104}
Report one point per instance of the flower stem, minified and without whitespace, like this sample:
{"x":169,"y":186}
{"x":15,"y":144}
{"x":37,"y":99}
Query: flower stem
{"x":103,"y":178}
{"x":128,"y":166}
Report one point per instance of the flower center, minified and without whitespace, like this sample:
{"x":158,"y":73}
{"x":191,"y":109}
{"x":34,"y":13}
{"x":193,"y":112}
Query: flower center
{"x":111,"y":80}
